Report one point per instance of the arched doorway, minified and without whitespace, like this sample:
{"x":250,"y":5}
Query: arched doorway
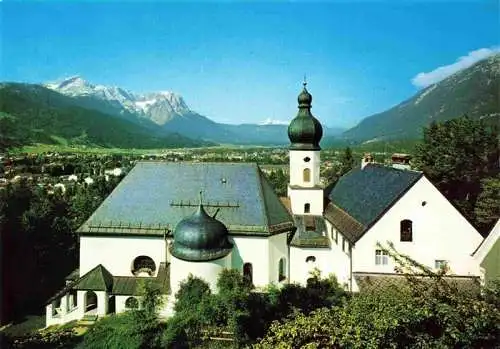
{"x":90,"y":301}
{"x":112,"y":304}
{"x":248,"y":272}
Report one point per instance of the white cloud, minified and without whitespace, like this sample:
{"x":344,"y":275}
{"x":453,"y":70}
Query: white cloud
{"x":440,"y":73}
{"x":270,"y":121}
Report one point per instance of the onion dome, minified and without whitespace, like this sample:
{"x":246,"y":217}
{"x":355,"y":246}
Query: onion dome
{"x":200,"y":238}
{"x":305,"y":130}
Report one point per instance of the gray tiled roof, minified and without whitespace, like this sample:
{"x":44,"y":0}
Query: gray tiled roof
{"x":366,"y":194}
{"x":155,"y":196}
{"x":345,"y":224}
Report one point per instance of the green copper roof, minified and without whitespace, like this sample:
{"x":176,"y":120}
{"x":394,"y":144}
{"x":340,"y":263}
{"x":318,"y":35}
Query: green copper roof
{"x":200,"y":238}
{"x":305,"y":130}
{"x":155,"y":196}
{"x":364,"y":195}
{"x":97,"y":279}
{"x":311,"y":232}
{"x":100,"y":279}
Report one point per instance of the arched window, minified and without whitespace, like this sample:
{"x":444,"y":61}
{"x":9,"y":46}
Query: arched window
{"x":281,"y":270}
{"x":143,"y":266}
{"x":307,"y":175}
{"x":406,"y":230}
{"x":310,"y":259}
{"x":307,"y":208}
{"x":248,"y":272}
{"x":56,"y":307}
{"x":131,"y":303}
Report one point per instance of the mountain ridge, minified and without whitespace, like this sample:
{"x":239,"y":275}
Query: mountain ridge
{"x":474,"y":91}
{"x":170,"y":112}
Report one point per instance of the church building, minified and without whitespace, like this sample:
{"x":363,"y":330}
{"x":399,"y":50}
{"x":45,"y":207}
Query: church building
{"x":166,"y":220}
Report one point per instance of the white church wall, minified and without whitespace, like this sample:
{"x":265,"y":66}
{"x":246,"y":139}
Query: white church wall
{"x":116,"y":253}
{"x":278,"y":249}
{"x":252,"y":250}
{"x":66,"y":312}
{"x":299,"y":197}
{"x":439,"y":232}
{"x":298,"y":165}
{"x":341,"y":252}
{"x":208,"y":271}
{"x":300,"y":269}
{"x":102,"y":302}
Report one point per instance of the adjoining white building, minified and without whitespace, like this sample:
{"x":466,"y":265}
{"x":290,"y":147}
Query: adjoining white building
{"x":154,"y":226}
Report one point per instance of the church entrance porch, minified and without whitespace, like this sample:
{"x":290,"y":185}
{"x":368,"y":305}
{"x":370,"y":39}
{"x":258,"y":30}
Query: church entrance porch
{"x":90,"y":302}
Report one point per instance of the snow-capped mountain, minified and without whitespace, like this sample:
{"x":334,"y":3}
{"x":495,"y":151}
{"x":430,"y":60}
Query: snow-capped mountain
{"x":159,"y":107}
{"x":167,"y":111}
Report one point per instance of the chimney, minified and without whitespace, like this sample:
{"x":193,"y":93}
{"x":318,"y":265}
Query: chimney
{"x":401,"y":161}
{"x":367,"y":158}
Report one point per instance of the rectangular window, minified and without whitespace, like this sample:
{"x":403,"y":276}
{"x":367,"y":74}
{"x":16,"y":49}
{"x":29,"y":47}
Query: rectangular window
{"x":381,"y":257}
{"x":440,"y":264}
{"x":343,"y":244}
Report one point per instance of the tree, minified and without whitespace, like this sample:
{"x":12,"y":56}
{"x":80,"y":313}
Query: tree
{"x":456,"y":155}
{"x":487,"y":208}
{"x":347,"y":162}
{"x":279,"y":181}
{"x":422,"y":313}
{"x":191,"y":293}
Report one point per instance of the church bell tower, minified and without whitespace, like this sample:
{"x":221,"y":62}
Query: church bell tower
{"x":305,"y":190}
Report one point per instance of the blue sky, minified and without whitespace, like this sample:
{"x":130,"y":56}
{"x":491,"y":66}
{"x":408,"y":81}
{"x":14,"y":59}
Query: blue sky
{"x":239,"y":62}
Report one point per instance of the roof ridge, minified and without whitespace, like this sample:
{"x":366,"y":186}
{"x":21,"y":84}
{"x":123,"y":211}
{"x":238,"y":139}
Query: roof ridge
{"x":263,"y":197}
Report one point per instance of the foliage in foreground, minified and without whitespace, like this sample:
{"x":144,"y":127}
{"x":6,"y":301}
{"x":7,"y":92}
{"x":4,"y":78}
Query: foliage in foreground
{"x":240,"y":312}
{"x":138,"y":328}
{"x":429,"y":313}
{"x":46,"y":339}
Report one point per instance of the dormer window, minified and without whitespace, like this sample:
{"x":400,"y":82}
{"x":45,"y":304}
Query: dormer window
{"x":406,"y":230}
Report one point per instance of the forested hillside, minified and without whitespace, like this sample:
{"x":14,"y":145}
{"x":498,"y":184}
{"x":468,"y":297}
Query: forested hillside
{"x":474,"y":91}
{"x":37,"y":114}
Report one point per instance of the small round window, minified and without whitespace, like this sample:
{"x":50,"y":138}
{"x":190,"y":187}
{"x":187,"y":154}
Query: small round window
{"x":307,"y":159}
